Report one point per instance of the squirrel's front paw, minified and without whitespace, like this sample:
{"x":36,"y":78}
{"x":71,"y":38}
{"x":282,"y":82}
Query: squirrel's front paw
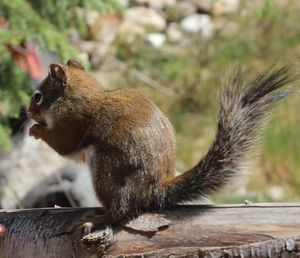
{"x":36,"y":131}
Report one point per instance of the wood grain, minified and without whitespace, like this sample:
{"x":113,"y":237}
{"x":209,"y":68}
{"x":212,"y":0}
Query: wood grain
{"x":195,"y":231}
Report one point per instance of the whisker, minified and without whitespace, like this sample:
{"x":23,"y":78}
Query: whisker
{"x":18,"y":124}
{"x":21,"y":127}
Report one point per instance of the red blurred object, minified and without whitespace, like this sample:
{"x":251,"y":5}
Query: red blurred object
{"x":3,"y":23}
{"x":2,"y":230}
{"x":28,"y":59}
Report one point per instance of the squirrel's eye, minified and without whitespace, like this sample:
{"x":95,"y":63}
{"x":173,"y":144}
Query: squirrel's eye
{"x":38,"y":97}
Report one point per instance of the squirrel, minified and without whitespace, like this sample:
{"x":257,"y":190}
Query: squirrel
{"x":129,"y":144}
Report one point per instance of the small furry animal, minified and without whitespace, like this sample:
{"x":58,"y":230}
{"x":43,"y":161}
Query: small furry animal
{"x":129,"y":144}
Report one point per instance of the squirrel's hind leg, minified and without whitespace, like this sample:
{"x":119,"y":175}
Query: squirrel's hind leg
{"x":96,"y":238}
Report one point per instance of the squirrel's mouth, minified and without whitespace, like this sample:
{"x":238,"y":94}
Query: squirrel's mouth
{"x":41,"y":122}
{"x":37,"y":118}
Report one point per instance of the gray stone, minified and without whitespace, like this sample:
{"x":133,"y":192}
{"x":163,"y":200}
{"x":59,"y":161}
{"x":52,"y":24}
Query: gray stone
{"x":156,"y":39}
{"x":159,"y":4}
{"x":186,"y":8}
{"x":204,"y":5}
{"x":124,"y":3}
{"x":173,"y":32}
{"x":146,"y":17}
{"x":225,"y":6}
{"x":179,"y":10}
{"x":201,"y":23}
{"x":129,"y":30}
{"x":91,"y":17}
{"x":104,"y":28}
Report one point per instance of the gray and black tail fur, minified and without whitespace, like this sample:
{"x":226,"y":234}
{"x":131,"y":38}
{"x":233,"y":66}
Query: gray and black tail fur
{"x":242,"y":115}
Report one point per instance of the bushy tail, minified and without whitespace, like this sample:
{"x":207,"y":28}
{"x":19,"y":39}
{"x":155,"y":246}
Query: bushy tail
{"x":243,"y":111}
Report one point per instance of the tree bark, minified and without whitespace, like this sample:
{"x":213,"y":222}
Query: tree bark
{"x":264,"y":230}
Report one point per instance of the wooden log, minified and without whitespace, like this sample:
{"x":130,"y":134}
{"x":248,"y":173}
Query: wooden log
{"x":264,"y":230}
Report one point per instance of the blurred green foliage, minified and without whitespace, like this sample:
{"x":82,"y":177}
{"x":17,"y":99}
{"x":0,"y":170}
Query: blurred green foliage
{"x":45,"y":23}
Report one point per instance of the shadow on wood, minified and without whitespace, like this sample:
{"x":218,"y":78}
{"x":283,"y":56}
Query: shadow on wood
{"x":264,"y":230}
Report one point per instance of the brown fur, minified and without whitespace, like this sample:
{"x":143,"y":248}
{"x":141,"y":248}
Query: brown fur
{"x":129,"y":144}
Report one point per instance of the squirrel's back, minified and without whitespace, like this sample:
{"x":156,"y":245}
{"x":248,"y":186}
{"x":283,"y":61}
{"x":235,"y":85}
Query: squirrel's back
{"x":135,"y":146}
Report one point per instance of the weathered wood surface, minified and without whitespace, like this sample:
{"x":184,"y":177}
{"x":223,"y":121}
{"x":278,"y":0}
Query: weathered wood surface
{"x":195,"y":231}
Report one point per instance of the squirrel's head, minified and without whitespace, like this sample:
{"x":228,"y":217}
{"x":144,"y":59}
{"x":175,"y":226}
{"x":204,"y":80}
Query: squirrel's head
{"x":50,"y":91}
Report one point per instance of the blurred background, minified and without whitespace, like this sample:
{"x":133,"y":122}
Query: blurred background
{"x":178,"y":52}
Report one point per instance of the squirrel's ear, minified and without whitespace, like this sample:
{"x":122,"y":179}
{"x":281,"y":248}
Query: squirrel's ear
{"x":57,"y":71}
{"x":74,"y":63}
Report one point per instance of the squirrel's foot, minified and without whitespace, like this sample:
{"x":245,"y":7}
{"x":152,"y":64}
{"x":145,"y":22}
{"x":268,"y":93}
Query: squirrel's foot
{"x":96,"y":238}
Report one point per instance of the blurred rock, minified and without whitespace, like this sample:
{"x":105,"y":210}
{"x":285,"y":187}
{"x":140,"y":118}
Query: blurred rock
{"x":179,"y":10}
{"x":104,"y":28}
{"x":156,"y":39}
{"x":198,"y":23}
{"x":204,"y":6}
{"x":156,"y":3}
{"x":186,"y":8}
{"x":129,"y":30}
{"x":225,"y":6}
{"x":173,"y":32}
{"x":91,"y":17}
{"x":146,"y":17}
{"x":124,"y":3}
